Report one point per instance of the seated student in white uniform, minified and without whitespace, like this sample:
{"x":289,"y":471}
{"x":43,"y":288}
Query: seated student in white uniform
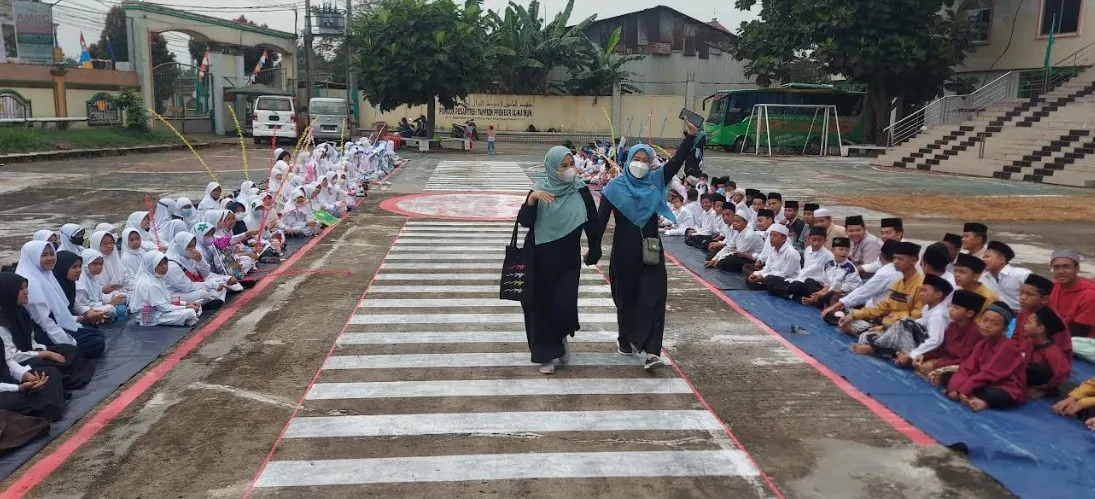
{"x":690,"y":217}
{"x":873,"y":290}
{"x":738,"y":198}
{"x":954,"y":247}
{"x":141,"y":222}
{"x":726,"y":231}
{"x":710,"y":227}
{"x":975,"y":236}
{"x":813,"y":267}
{"x":675,"y":204}
{"x":1000,"y":276}
{"x":116,"y":281}
{"x":839,"y":278}
{"x":72,"y":239}
{"x":892,"y":229}
{"x":184,"y":278}
{"x":296,"y":216}
{"x":89,"y":289}
{"x":150,"y":290}
{"x":745,"y":262}
{"x":910,"y":338}
{"x":865,"y":246}
{"x":781,"y":263}
{"x":740,"y":239}
{"x":775,"y":203}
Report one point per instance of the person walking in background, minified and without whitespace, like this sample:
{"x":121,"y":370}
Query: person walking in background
{"x":557,"y":210}
{"x":491,"y":134}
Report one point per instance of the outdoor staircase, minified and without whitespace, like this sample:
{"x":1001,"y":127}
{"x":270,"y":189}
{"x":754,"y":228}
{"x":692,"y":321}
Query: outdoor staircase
{"x":1048,"y":139}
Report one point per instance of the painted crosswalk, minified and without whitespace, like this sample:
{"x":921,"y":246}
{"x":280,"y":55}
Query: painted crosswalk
{"x":479,"y":176}
{"x":430,"y":392}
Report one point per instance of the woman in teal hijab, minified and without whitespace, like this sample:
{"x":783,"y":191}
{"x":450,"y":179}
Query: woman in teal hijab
{"x":557,"y":210}
{"x":639,"y":289}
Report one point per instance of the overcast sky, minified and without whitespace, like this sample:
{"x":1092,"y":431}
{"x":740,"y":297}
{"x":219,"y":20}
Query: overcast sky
{"x":87,"y":16}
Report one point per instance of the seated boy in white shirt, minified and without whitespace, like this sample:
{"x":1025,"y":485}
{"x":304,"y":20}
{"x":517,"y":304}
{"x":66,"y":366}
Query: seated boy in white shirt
{"x":813,"y":269}
{"x":910,"y":338}
{"x":781,"y":262}
{"x":839,"y":278}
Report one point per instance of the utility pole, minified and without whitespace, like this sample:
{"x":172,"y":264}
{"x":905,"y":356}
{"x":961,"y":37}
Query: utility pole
{"x":351,"y":88}
{"x":308,"y":69}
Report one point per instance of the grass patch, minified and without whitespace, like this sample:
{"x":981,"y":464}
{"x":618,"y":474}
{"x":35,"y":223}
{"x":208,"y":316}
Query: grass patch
{"x":980,"y":208}
{"x":21,"y":140}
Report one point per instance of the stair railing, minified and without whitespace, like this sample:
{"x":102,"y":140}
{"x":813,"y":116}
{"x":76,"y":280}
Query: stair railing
{"x":950,"y":109}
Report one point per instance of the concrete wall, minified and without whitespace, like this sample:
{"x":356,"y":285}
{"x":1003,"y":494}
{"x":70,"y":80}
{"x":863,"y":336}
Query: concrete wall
{"x":62,"y":93}
{"x":514,"y":113}
{"x":1027,"y":49}
{"x":77,"y":101}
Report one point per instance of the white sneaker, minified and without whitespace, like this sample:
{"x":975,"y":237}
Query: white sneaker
{"x":547,"y":368}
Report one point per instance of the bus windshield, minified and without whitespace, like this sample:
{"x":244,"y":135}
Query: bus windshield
{"x":718,"y":109}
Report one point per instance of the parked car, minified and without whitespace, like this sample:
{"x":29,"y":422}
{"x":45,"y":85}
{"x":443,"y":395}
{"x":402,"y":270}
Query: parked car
{"x":329,"y":117}
{"x":274,"y":115}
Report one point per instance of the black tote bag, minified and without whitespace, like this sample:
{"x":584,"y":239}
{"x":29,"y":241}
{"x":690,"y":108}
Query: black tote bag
{"x":516,"y":281}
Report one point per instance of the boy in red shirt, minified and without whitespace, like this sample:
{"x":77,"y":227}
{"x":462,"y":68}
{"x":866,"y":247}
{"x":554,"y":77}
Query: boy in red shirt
{"x":959,"y":339}
{"x":994,"y":375}
{"x":1047,"y":365}
{"x":1033,"y":295}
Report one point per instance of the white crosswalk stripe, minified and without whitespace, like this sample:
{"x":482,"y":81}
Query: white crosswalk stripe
{"x":478,"y":176}
{"x":432,"y":354}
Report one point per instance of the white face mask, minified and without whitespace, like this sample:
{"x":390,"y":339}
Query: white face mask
{"x":638,"y":169}
{"x":568,"y":176}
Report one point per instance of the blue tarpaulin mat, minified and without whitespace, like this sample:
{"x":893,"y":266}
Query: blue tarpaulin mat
{"x":694,"y":258}
{"x":129,"y":349}
{"x":1030,"y":450}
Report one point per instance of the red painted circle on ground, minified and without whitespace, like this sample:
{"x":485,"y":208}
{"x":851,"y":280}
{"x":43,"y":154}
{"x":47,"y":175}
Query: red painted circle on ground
{"x":485,"y":206}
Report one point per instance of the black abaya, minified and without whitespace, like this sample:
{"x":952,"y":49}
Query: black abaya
{"x":639,"y":290}
{"x":16,"y":320}
{"x":551,"y":312}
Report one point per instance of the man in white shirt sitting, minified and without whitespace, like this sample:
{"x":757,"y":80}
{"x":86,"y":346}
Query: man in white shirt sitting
{"x":781,"y":263}
{"x":740,"y":239}
{"x":813,"y":267}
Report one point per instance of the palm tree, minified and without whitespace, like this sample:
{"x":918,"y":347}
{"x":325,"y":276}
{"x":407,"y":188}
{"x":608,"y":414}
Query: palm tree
{"x":602,"y":69}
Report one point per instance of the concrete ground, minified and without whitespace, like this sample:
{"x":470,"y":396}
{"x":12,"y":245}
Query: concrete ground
{"x":208,"y":426}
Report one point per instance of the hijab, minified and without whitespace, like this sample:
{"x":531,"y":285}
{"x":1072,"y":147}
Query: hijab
{"x":291,"y":205}
{"x":254,"y":214}
{"x":150,"y":287}
{"x":68,"y":231}
{"x":165,"y":210}
{"x":65,"y":261}
{"x":105,"y":227}
{"x":245,"y":192}
{"x":14,"y":317}
{"x":172,"y":227}
{"x":43,"y":286}
{"x":91,"y":285}
{"x":131,"y":258}
{"x":638,"y":199}
{"x":240,"y":227}
{"x":42,"y":235}
{"x":134,"y":222}
{"x":208,"y":203}
{"x":181,"y":203}
{"x":176,"y":251}
{"x":113,"y":268}
{"x":557,"y":219}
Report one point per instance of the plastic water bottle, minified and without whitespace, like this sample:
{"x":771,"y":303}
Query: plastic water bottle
{"x":146,"y":315}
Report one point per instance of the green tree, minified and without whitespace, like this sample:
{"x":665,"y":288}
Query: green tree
{"x":602,"y":69}
{"x":528,"y":48}
{"x":902,"y":50}
{"x":415,"y":51}
{"x":114,"y":29}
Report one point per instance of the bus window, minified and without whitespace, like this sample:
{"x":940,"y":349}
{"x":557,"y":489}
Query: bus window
{"x":718,"y":110}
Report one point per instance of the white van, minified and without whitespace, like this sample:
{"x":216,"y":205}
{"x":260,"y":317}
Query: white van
{"x":274,"y":114}
{"x":328,"y":117}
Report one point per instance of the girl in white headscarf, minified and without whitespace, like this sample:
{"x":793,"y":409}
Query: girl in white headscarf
{"x":48,"y":305}
{"x":72,"y":238}
{"x":132,"y":251}
{"x":89,"y":289}
{"x":327,"y":198}
{"x":151,"y":290}
{"x":184,"y":277}
{"x":142,"y":223}
{"x":164,"y":212}
{"x":296,"y":216}
{"x":211,"y":267}
{"x":116,"y":281}
{"x":169,"y":229}
{"x":225,"y":221}
{"x":184,"y":210}
{"x":105,"y":227}
{"x":48,"y":236}
{"x":247,"y":189}
{"x":212,"y":199}
{"x":271,"y":239}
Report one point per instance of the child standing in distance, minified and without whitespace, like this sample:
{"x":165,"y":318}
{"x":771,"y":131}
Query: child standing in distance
{"x":1047,"y":365}
{"x":994,"y":376}
{"x":959,"y":339}
{"x":490,"y":139}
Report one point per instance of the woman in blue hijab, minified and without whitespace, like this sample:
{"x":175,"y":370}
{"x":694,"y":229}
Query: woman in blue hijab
{"x":557,"y":210}
{"x":637,"y":197}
